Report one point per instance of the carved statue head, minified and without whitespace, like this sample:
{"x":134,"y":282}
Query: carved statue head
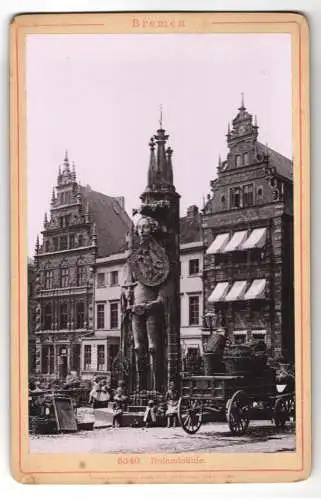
{"x":145,"y":227}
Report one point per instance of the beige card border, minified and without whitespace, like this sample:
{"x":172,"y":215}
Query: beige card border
{"x":205,"y":467}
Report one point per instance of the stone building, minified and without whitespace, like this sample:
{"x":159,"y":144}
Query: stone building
{"x":191,"y":283}
{"x":248,"y":236}
{"x":83,"y":224}
{"x":100,"y":349}
{"x":31,"y":318}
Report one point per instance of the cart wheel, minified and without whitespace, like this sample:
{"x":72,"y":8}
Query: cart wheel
{"x":190,"y":414}
{"x":238,"y":409}
{"x":282,"y":411}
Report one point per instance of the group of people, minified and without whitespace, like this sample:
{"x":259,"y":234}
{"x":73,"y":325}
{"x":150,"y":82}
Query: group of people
{"x":101,"y":394}
{"x":166,"y":408}
{"x":156,"y":411}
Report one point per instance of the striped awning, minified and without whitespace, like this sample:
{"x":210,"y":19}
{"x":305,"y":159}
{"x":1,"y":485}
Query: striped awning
{"x":237,"y":291}
{"x":219,"y":292}
{"x":237,"y":239}
{"x":256,"y":290}
{"x":256,"y":239}
{"x":218,"y":244}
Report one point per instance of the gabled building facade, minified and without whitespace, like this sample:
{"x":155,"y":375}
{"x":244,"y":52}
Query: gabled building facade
{"x":248,"y":235}
{"x":82,"y":223}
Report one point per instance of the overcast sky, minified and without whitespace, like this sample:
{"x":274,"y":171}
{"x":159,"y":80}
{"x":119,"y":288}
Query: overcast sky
{"x":98,"y":96}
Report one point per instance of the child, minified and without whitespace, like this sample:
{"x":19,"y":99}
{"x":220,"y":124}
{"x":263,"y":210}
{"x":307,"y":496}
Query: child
{"x":150,"y":414}
{"x":93,"y":392}
{"x":172,"y":398}
{"x":120,"y":400}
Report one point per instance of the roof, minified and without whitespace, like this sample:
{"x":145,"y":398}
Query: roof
{"x":190,"y":228}
{"x":282,"y":164}
{"x":112,"y":221}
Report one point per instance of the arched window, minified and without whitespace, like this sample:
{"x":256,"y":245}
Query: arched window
{"x":47,"y":317}
{"x":47,"y":246}
{"x":63,"y":316}
{"x":238,"y":160}
{"x":246,"y":159}
{"x":80,"y":315}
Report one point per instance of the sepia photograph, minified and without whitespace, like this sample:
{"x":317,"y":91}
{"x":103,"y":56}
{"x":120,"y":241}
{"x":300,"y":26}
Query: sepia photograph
{"x":160,"y":244}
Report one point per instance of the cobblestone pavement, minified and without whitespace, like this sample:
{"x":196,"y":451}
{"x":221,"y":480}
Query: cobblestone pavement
{"x":262,"y":436}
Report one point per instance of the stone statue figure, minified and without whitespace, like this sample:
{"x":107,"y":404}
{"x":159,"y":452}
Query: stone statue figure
{"x":145,"y":274}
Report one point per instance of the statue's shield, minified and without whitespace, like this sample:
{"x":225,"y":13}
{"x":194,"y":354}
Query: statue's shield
{"x":149,"y":263}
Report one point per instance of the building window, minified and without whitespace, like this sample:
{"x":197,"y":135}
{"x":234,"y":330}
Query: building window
{"x":114,"y":315}
{"x":55,"y":243}
{"x":75,"y":357}
{"x":87,"y":357}
{"x":223,"y":200}
{"x":48,"y":317}
{"x":260,"y":192}
{"x":235,"y":197}
{"x":63,"y":243}
{"x":48,"y":279}
{"x":246,"y":158}
{"x":64,"y":277}
{"x":114,"y":278}
{"x":100,"y":316}
{"x":238,"y":160}
{"x":248,"y":199}
{"x":81,"y":275}
{"x":113,"y":350}
{"x":100,"y":280}
{"x":71,"y":241}
{"x":240,"y":336}
{"x":47,"y":359}
{"x":100,"y":357}
{"x":194,"y":310}
{"x":47,"y":246}
{"x":194,"y":266}
{"x":63,"y":316}
{"x":80,"y":311}
{"x":80,"y":240}
{"x":259,"y":335}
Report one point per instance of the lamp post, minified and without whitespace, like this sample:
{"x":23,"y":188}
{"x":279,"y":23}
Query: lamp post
{"x":210,"y":323}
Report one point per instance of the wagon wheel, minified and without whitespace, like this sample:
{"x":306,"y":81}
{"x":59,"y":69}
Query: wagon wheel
{"x":282,"y":411}
{"x":238,"y":409}
{"x":190,"y":414}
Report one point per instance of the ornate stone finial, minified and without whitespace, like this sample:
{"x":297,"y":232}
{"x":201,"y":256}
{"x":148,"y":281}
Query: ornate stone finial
{"x":45,"y":221}
{"x":161,"y":117}
{"x":228,"y":129}
{"x":219,"y":161}
{"x":37,"y":245}
{"x":73,"y":173}
{"x":94,"y":235}
{"x":242,"y":101}
{"x":53,"y":196}
{"x":255,"y":120}
{"x":66,"y":160}
{"x":266,"y":149}
{"x":87,"y":211}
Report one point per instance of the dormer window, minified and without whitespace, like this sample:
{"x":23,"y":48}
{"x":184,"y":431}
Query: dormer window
{"x":238,"y":160}
{"x":235,"y":197}
{"x":246,"y":159}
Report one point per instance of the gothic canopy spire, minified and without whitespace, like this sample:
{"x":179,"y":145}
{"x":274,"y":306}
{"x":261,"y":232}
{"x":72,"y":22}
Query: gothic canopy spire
{"x":160,"y":171}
